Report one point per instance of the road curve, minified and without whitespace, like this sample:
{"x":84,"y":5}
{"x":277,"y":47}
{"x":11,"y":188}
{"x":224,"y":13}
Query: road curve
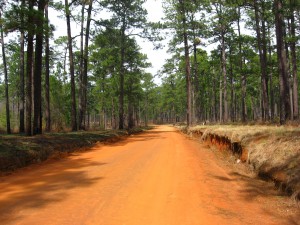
{"x":159,"y":177}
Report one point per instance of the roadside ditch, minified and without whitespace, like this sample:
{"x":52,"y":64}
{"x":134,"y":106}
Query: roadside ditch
{"x":273,"y":153}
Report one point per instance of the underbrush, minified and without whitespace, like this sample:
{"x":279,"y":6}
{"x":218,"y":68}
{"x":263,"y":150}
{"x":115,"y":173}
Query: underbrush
{"x":18,"y":151}
{"x":273,"y":152}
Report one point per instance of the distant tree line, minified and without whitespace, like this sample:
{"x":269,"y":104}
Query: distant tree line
{"x":65,"y":82}
{"x":96,"y":77}
{"x":250,"y":76}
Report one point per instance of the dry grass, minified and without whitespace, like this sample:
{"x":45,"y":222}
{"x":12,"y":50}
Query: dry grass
{"x":18,"y":151}
{"x":273,"y":151}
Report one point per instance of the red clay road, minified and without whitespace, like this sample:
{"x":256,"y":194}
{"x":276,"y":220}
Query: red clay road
{"x":159,"y":177}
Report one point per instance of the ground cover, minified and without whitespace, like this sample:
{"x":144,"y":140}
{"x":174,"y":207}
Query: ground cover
{"x":273,"y":152}
{"x":18,"y":151}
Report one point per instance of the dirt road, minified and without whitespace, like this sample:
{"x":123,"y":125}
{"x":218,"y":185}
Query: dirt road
{"x":159,"y":177}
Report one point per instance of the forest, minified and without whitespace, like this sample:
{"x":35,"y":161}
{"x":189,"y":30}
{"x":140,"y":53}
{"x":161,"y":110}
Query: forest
{"x":96,"y":78}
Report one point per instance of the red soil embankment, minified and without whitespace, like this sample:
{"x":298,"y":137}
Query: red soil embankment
{"x":272,"y":152}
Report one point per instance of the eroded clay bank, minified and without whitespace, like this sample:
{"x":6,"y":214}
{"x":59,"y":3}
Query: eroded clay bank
{"x":269,"y":155}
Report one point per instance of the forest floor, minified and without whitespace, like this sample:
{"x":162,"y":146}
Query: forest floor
{"x":157,"y":177}
{"x":17,"y":151}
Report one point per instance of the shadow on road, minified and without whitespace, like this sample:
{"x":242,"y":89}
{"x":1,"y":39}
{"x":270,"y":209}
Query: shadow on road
{"x":144,"y":136}
{"x":273,"y":202}
{"x":51,"y":181}
{"x":41,"y":186}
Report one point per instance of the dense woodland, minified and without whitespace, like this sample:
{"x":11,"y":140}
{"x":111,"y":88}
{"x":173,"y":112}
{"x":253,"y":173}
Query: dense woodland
{"x":96,"y":77}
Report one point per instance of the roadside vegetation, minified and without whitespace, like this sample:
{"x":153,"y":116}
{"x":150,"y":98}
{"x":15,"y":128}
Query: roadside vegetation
{"x":272,"y":152}
{"x":18,"y":151}
{"x":229,"y":61}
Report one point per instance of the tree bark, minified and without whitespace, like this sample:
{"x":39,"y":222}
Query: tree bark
{"x":81,"y":84}
{"x":47,"y":73}
{"x":121,"y":76}
{"x":8,"y":130}
{"x":146,"y":108}
{"x":130,"y":114}
{"x":261,"y":43}
{"x":29,"y":68}
{"x":187,"y":64}
{"x":214,"y":102}
{"x":294,"y":68}
{"x":281,"y":55}
{"x":197,"y":109}
{"x":22,"y":74}
{"x":130,"y":104}
{"x":232,"y":112}
{"x":271,"y":75}
{"x":224,"y":73}
{"x":72,"y":71}
{"x":243,"y":75}
{"x":86,"y":57}
{"x":37,"y":79}
{"x":221,"y":101}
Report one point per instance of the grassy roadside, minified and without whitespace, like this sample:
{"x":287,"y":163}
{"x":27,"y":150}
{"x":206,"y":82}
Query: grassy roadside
{"x":18,"y":151}
{"x":273,"y":152}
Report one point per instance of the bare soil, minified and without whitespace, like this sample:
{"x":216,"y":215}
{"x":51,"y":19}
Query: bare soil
{"x":156,"y":177}
{"x":272,"y":152}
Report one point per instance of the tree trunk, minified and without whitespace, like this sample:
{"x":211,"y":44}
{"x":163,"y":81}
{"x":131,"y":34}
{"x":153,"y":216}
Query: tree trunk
{"x":130,"y":98}
{"x":187,"y":64}
{"x":29,"y":69}
{"x":294,"y":68}
{"x":85,"y":60}
{"x":146,"y":110}
{"x":197,"y":109}
{"x":243,"y":75}
{"x":122,"y":75}
{"x":22,"y":84}
{"x":232,"y":115}
{"x":265,"y":78}
{"x":224,"y":73}
{"x":271,"y":76}
{"x":281,"y":55}
{"x":72,"y":72}
{"x":47,"y":73}
{"x":81,"y":115}
{"x":104,"y":118}
{"x":261,"y":43}
{"x":37,"y":79}
{"x":130,"y":114}
{"x":114,"y":124}
{"x":214,"y":102}
{"x":221,"y":101}
{"x":8,"y":130}
{"x":22,"y":75}
{"x":289,"y":71}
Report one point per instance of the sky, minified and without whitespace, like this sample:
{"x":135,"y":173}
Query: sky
{"x":156,"y":57}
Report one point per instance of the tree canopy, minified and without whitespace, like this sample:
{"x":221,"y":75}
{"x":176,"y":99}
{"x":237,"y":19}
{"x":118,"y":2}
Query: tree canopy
{"x":228,"y":61}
